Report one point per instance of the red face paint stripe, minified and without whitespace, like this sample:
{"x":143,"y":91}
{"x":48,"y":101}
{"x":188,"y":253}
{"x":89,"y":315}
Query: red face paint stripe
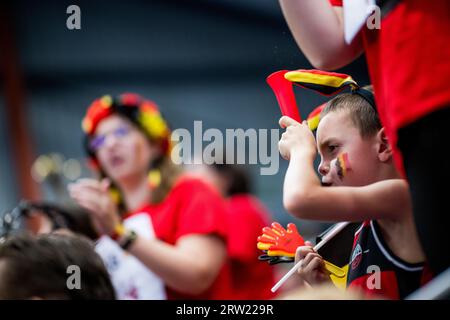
{"x":346,"y":161}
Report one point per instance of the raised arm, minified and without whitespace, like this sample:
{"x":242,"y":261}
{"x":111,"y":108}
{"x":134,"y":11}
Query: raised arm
{"x":318,"y":29}
{"x":305,"y":197}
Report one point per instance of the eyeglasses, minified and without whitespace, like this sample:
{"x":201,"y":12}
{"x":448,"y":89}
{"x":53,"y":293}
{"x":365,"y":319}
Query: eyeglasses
{"x":99,"y":140}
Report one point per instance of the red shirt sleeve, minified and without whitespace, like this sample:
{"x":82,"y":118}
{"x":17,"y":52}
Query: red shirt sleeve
{"x":201,"y":209}
{"x":336,"y":3}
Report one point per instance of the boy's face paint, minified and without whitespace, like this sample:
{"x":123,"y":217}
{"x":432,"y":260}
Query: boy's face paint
{"x":339,"y":140}
{"x":342,"y":165}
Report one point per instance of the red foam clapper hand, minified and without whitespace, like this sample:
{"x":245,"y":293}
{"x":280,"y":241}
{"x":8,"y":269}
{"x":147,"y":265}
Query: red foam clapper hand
{"x":278,"y":241}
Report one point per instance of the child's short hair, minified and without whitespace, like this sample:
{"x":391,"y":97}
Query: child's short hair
{"x":363,"y":115}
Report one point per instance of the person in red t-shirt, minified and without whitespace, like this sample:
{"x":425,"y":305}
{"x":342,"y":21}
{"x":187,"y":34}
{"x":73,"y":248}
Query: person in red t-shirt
{"x":246,"y":217}
{"x":409,"y":69}
{"x":163,"y":234}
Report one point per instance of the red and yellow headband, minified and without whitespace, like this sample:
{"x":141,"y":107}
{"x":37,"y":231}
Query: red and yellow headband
{"x":142,"y":112}
{"x":323,"y":82}
{"x":314,"y":117}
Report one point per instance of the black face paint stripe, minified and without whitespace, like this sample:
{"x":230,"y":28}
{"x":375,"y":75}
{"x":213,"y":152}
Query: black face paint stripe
{"x":340,"y":169}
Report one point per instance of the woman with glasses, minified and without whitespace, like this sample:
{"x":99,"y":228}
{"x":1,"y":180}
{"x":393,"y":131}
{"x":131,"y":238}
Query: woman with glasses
{"x":162,"y":232}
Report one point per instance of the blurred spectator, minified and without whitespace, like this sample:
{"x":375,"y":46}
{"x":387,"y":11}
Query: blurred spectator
{"x":38,"y":268}
{"x":252,"y":279}
{"x":163,"y":234}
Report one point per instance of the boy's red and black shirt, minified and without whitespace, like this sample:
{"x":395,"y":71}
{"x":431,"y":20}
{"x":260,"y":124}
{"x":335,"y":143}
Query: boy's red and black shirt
{"x":377,"y":271}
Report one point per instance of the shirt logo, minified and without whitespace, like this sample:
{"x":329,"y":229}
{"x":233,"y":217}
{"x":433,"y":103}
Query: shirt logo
{"x":356,"y":256}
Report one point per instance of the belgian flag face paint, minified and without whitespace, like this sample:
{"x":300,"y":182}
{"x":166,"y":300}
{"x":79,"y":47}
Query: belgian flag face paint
{"x":342,"y":165}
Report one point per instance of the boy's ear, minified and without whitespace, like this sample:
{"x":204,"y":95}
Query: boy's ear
{"x":384,"y":147}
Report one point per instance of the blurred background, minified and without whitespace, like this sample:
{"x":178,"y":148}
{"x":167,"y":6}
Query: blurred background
{"x":198,"y":59}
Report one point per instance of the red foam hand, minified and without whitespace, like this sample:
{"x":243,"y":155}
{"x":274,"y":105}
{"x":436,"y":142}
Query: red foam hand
{"x":267,"y":239}
{"x":279,"y":241}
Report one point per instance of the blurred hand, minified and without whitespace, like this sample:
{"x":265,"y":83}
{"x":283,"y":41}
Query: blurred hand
{"x":94,"y":196}
{"x":312,"y":269}
{"x":297,"y":138}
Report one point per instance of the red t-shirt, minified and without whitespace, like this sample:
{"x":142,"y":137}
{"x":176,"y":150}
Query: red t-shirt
{"x":251,"y":278}
{"x":408,"y":61}
{"x":192,"y":207}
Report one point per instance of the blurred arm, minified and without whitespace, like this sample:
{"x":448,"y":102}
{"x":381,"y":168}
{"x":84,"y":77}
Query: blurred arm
{"x":191,"y":266}
{"x":318,"y":29}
